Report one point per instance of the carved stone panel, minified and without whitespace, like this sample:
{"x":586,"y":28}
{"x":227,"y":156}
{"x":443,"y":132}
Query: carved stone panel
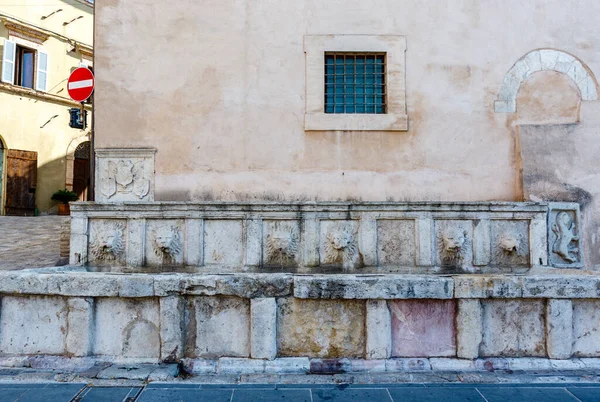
{"x":454,"y":243}
{"x":223,"y":242}
{"x":108,"y":241}
{"x":510,"y":243}
{"x":396,"y":242}
{"x":281,"y":243}
{"x":164,"y":242}
{"x":339,"y":245}
{"x":564,"y":235}
{"x":125,"y":174}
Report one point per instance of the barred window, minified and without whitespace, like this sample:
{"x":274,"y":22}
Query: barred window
{"x":355,"y":83}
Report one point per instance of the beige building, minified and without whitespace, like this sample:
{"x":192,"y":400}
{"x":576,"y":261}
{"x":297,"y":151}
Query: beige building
{"x":479,"y":101}
{"x":42,"y":42}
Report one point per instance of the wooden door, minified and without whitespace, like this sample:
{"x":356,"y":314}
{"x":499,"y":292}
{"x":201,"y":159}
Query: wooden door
{"x":21,"y":179}
{"x":81,"y":178}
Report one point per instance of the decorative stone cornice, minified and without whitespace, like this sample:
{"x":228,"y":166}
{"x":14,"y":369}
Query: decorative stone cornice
{"x":86,"y":51}
{"x":25,"y":32}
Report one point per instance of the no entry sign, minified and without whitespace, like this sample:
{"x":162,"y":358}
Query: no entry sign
{"x":80,"y":84}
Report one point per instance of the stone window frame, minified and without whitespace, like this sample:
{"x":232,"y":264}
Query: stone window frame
{"x":395,"y":118}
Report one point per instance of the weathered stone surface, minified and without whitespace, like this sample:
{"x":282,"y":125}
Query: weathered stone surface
{"x":75,"y":364}
{"x":367,"y":366}
{"x":576,"y":286}
{"x":280,"y":243}
{"x":288,"y":365}
{"x":423,"y":328}
{"x":80,"y":324}
{"x":513,"y":328}
{"x":481,"y":242}
{"x":442,"y":364}
{"x":127,"y":328}
{"x":396,"y":242}
{"x":482,"y":287}
{"x":379,"y":330}
{"x":559,"y":329}
{"x":330,"y":366}
{"x":33,"y":325}
{"x":199,"y":366}
{"x":469,"y":328}
{"x":454,"y":243}
{"x":232,"y":365}
{"x":136,"y":286}
{"x":171,"y":328}
{"x":510,"y":243}
{"x":218,"y":326}
{"x":240,"y":285}
{"x":136,"y":239}
{"x":263,"y":331}
{"x":586,"y":328}
{"x":223,"y":242}
{"x":165,"y":242}
{"x":320,"y":328}
{"x":84,"y":285}
{"x":23,"y":283}
{"x":372,"y":287}
{"x":194,"y":229}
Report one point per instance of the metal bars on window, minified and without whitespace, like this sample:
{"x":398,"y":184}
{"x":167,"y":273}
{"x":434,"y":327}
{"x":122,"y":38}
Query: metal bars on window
{"x":355,"y":83}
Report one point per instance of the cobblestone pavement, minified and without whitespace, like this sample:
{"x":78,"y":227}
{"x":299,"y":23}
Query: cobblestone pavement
{"x":29,"y":242}
{"x":313,"y":393}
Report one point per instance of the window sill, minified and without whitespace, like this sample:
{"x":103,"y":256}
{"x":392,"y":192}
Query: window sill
{"x":355,"y":122}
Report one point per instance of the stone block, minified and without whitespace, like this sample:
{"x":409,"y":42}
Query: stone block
{"x":489,"y":286}
{"x":339,"y":244}
{"x":223,"y":242}
{"x":445,"y":364}
{"x":379,"y":330}
{"x":199,"y":366}
{"x":368,"y":236}
{"x":320,"y":328}
{"x":571,"y":364}
{"x":231,"y":365}
{"x":310,"y":240}
{"x":194,"y":231}
{"x":383,"y":287}
{"x":61,"y":363}
{"x":171,"y":328}
{"x":164,"y":372}
{"x":330,"y":366}
{"x":136,"y":242}
{"x":396,"y":242}
{"x":586,"y":328}
{"x":423,"y":328}
{"x":218,"y":326}
{"x":564,"y":235}
{"x":84,"y":284}
{"x":80,"y":324}
{"x":513,"y":328}
{"x":263,"y":328}
{"x":417,"y":364}
{"x":559,"y":329}
{"x":168,"y":284}
{"x":481,"y":242}
{"x":469,"y":328}
{"x":575,"y":286}
{"x":136,"y":286}
{"x":23,"y":283}
{"x":139,"y":372}
{"x":492,"y":364}
{"x":108,"y":239}
{"x":538,"y":241}
{"x":253,"y":238}
{"x":548,"y":58}
{"x":33,"y":325}
{"x":424,"y":238}
{"x":127,"y":328}
{"x":529,"y":363}
{"x":367,"y":366}
{"x":281,"y":243}
{"x":165,"y":242}
{"x":288,"y":365}
{"x":241,"y":285}
{"x":454,"y":243}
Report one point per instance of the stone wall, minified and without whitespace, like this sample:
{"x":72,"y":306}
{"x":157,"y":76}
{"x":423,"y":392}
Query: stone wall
{"x":299,"y":323}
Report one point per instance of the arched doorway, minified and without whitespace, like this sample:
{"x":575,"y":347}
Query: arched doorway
{"x":81,"y":170}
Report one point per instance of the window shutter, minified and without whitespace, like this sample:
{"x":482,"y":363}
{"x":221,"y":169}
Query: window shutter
{"x":8,"y":61}
{"x":41,"y":81}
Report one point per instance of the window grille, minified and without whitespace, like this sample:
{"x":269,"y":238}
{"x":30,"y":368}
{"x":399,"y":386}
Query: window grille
{"x":355,"y":83}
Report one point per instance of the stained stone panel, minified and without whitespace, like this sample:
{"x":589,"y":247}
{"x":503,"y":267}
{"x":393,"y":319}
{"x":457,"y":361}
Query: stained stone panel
{"x":510,"y":243}
{"x":218,"y":326}
{"x":423,"y":328}
{"x":321,"y":328}
{"x":586,"y":328}
{"x":513,"y":328}
{"x":164,"y":242}
{"x":223,"y":242}
{"x":281,"y":243}
{"x":396,"y":242}
{"x":564,"y":232}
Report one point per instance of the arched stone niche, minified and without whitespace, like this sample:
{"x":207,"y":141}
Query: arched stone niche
{"x":70,"y":159}
{"x":545,"y":60}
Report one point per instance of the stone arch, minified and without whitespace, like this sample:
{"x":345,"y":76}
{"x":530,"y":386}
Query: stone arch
{"x":545,"y":60}
{"x":70,"y":159}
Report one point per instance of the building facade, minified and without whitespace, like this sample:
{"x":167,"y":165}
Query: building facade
{"x":42,"y":41}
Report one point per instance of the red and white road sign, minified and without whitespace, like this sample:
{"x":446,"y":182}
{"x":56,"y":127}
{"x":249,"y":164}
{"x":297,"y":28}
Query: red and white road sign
{"x":80,"y":84}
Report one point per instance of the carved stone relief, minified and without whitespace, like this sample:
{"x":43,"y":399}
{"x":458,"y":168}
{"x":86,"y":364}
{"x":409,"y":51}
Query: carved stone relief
{"x":164,"y":242}
{"x":454,"y":243}
{"x":107,"y":241}
{"x":281,"y":243}
{"x":339,"y":245}
{"x":510,"y":243}
{"x":396,"y":242}
{"x":125,"y":174}
{"x":564,"y":235}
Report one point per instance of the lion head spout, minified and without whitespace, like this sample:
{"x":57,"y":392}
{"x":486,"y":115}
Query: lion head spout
{"x":107,"y":242}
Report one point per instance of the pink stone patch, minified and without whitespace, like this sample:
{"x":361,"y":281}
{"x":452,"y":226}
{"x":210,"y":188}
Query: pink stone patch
{"x":423,"y":328}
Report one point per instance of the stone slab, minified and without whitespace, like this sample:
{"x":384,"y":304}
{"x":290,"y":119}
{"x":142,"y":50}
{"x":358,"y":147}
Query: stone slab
{"x":372,"y":287}
{"x":559,"y":328}
{"x":423,"y":328}
{"x":263,"y":313}
{"x":586,"y":328}
{"x":396,"y":242}
{"x":218,"y":326}
{"x":469,"y":328}
{"x":320,"y":328}
{"x":513,"y":328}
{"x":379,"y":330}
{"x":171,"y":328}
